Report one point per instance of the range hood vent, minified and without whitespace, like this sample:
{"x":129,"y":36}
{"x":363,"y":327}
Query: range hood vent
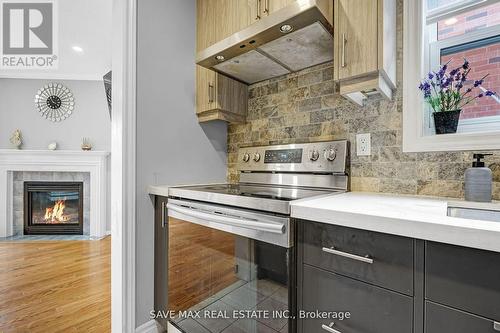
{"x":262,"y":51}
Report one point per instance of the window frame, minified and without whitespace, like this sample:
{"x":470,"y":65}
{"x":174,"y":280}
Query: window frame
{"x":415,"y":65}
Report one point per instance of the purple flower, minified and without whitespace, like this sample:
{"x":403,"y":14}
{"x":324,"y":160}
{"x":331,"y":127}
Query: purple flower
{"x":454,"y":72}
{"x":446,"y":82}
{"x":489,"y":93}
{"x":477,"y":83}
{"x":425,"y":87}
{"x":466,"y":64}
{"x":430,"y":75}
{"x":480,"y":95}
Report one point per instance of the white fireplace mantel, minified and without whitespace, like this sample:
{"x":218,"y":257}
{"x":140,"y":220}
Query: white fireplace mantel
{"x":93,"y":162}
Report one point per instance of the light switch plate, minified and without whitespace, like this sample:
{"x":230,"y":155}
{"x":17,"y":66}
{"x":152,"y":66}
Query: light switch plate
{"x":363,"y":144}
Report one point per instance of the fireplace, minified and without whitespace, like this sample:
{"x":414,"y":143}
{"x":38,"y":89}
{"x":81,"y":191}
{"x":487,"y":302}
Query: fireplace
{"x":53,"y":208}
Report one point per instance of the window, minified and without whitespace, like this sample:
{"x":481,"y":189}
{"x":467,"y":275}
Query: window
{"x":474,"y":35}
{"x":441,"y":31}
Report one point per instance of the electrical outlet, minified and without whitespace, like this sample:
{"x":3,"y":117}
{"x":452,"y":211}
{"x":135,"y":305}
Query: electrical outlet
{"x":363,"y":144}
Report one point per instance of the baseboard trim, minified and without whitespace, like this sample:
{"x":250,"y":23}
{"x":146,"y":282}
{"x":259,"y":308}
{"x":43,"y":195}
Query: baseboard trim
{"x":172,"y":329}
{"x":149,"y":327}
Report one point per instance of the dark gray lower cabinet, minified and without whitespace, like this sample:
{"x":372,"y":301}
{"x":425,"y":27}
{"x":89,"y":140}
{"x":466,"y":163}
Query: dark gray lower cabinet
{"x":411,"y":286}
{"x":442,"y":319}
{"x":392,"y":265}
{"x":372,"y":309}
{"x":160,"y":257}
{"x":463,"y":278}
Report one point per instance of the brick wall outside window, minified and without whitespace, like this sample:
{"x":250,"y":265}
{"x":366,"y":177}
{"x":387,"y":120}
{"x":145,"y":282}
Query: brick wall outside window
{"x":470,"y":21}
{"x":484,"y":60}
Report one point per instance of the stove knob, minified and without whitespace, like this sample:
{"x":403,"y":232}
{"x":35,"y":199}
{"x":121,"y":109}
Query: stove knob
{"x":256,"y":157}
{"x":246,"y":157}
{"x":330,"y":154}
{"x":314,"y":155}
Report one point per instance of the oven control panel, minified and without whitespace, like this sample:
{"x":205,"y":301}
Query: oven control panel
{"x":321,"y":157}
{"x":283,"y":155}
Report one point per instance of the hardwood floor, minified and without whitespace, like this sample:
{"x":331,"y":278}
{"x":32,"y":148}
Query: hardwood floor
{"x":61,"y":286}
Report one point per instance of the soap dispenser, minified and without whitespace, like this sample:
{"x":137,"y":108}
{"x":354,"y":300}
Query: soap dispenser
{"x":478,"y":181}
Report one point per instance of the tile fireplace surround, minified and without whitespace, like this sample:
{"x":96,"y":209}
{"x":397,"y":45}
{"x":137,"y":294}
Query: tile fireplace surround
{"x":94,"y":163}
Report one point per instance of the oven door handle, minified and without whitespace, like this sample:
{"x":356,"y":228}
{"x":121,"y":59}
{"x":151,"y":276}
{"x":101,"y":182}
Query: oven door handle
{"x":240,"y":222}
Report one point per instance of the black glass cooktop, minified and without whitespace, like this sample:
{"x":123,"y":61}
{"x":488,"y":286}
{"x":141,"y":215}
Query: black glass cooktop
{"x":256,"y":191}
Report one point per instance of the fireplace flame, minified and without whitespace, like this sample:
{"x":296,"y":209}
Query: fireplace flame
{"x":56,"y":214}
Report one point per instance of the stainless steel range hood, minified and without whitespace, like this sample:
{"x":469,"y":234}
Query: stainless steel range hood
{"x":262,"y":51}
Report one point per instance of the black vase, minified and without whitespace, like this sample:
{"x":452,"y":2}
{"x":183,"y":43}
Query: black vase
{"x":446,"y":122}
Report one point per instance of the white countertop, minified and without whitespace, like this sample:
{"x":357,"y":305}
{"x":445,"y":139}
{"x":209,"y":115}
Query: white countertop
{"x":409,"y":216}
{"x":161,"y":190}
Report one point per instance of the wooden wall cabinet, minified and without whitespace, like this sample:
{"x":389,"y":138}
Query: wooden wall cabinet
{"x":365,"y":48}
{"x":231,"y":17}
{"x":219,"y":97}
{"x":258,"y":9}
{"x":205,"y":27}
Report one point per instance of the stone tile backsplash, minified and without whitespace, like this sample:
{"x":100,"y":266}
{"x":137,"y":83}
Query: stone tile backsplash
{"x":305,"y":107}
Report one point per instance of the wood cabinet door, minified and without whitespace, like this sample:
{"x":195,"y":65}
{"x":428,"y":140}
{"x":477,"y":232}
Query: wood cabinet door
{"x":232,"y":96}
{"x":231,"y":17}
{"x":271,"y":6}
{"x":357,"y":37}
{"x":206,"y":90}
{"x":205,"y":23}
{"x":254,"y":10}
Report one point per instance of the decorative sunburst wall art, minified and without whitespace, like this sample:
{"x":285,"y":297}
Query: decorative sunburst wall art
{"x":55,"y":102}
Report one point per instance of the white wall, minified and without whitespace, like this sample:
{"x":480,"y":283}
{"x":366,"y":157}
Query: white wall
{"x":172,"y":148}
{"x":90,"y":118}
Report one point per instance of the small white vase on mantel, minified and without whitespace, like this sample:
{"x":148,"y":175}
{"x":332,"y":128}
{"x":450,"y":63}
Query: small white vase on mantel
{"x":16,"y":139}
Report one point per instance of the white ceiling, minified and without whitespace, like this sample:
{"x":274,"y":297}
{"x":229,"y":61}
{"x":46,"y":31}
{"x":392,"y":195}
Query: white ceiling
{"x":84,"y":42}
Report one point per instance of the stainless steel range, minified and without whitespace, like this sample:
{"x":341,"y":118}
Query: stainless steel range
{"x":231,"y":246}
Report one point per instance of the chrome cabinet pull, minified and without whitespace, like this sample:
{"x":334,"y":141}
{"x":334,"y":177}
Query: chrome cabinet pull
{"x":210,"y":93}
{"x":329,"y":328}
{"x":496,"y":326}
{"x":266,"y":8}
{"x":258,"y":10}
{"x":344,"y":41}
{"x":163,"y":214}
{"x":332,"y":250}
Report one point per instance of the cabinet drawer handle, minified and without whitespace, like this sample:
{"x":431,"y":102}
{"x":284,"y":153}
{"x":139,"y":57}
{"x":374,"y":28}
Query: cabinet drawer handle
{"x":210,"y":93}
{"x":344,"y":41}
{"x":496,"y":326}
{"x":329,"y":328}
{"x":163,"y":214}
{"x":266,"y":7}
{"x":332,"y":250}
{"x":258,"y":10}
